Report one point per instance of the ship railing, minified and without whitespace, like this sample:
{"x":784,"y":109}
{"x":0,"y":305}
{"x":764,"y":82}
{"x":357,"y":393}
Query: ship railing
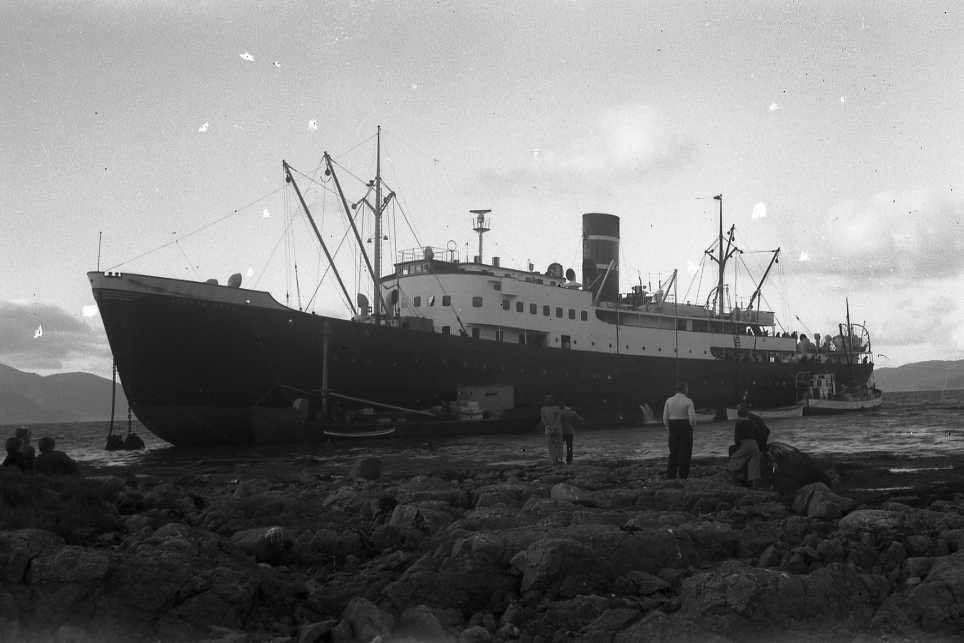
{"x":450,"y":255}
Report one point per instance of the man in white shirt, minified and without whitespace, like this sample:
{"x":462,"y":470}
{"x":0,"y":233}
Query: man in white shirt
{"x":679,"y":418}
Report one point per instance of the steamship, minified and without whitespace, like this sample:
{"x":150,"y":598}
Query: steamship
{"x":204,"y":363}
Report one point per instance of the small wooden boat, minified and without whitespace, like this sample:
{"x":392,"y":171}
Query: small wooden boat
{"x":792,"y":411}
{"x":360,"y":433}
{"x":833,"y":406}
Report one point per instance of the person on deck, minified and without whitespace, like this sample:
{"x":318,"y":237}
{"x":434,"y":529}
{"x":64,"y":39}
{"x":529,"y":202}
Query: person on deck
{"x":551,"y":417}
{"x":569,"y":419}
{"x":679,"y":418}
{"x":749,"y":437}
{"x":52,"y":461}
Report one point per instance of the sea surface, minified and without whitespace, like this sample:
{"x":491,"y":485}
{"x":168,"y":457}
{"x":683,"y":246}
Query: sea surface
{"x":913,"y":424}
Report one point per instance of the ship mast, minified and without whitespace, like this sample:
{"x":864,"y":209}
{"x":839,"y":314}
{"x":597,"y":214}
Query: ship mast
{"x":719,"y":285}
{"x":377,"y":274}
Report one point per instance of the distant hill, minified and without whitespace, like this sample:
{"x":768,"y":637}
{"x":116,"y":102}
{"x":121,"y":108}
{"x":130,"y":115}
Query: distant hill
{"x":922,"y":376}
{"x":28,"y":398}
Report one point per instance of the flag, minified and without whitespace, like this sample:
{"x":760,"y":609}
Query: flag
{"x":39,"y":332}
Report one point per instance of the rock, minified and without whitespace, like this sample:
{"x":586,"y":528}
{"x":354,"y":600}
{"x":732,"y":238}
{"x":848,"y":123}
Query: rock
{"x":69,"y":565}
{"x":316,"y":632}
{"x":934,"y":606}
{"x":18,"y":548}
{"x":565,"y":566}
{"x":475,"y":634}
{"x":735,"y":600}
{"x":511,"y":495}
{"x":918,"y":566}
{"x":607,"y":624}
{"x":816,"y":500}
{"x":658,"y":626}
{"x":266,"y":544}
{"x":871,"y":520}
{"x":367,"y":620}
{"x":366,"y":469}
{"x":792,"y":468}
{"x":644,"y":583}
{"x":421,"y":624}
{"x":563,"y":492}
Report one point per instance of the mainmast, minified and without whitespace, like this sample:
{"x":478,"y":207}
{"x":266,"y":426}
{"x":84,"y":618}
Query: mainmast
{"x":376,"y":277}
{"x":719,"y":285}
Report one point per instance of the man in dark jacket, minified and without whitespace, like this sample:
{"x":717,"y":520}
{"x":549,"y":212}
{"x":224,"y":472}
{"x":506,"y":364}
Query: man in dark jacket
{"x":749,"y":437}
{"x":52,"y":461}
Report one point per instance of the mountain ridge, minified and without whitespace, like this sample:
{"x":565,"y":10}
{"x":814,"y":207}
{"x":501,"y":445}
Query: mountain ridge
{"x":29,"y":398}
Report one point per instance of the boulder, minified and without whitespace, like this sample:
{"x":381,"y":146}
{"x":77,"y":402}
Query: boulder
{"x":367,"y":620}
{"x":563,"y":565}
{"x":266,"y":544}
{"x":871,"y":520}
{"x":19,"y":547}
{"x":563,"y":492}
{"x":816,"y":500}
{"x":793,"y":468}
{"x":934,"y":606}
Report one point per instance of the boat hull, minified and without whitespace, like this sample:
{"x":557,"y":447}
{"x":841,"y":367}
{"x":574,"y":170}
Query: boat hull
{"x":790,"y":411}
{"x":836,"y":407}
{"x":198,"y":360}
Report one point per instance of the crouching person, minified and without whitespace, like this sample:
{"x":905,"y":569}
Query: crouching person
{"x":745,"y":453}
{"x":53,"y":462}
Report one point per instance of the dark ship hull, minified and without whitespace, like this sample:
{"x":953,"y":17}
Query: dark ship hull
{"x":204,"y":364}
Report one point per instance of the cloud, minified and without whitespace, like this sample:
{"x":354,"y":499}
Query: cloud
{"x":914,"y":234}
{"x":313,"y":125}
{"x":90,"y":310}
{"x":246,"y":57}
{"x":774,"y":107}
{"x":65,"y":340}
{"x":626,"y":142}
{"x":804,"y":256}
{"x":205,"y":126}
{"x":759,"y":211}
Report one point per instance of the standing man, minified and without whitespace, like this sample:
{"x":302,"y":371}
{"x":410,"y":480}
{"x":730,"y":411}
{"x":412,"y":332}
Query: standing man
{"x":569,"y":420}
{"x":679,"y":418}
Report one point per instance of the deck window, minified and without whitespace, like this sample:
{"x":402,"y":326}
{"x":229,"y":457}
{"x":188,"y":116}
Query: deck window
{"x":505,"y":304}
{"x":534,"y":309}
{"x":475,"y":333}
{"x":559,"y":312}
{"x":417,"y":301}
{"x":566,"y":341}
{"x":583,"y":315}
{"x":545,"y":310}
{"x":519,"y":307}
{"x":446,"y":300}
{"x":446,"y":330}
{"x":477,"y":303}
{"x":572,"y":313}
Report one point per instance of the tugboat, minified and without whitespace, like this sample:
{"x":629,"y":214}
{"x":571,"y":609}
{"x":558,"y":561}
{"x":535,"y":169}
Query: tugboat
{"x":204,"y":363}
{"x":825,"y":396}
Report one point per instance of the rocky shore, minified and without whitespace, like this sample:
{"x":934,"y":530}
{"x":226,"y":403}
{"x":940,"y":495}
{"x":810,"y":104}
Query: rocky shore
{"x":404,"y":550}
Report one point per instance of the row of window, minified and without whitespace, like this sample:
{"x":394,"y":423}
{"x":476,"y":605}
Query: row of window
{"x":520,"y":307}
{"x":430,"y":301}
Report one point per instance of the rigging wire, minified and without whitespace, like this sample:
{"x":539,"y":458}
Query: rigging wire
{"x":207,"y":225}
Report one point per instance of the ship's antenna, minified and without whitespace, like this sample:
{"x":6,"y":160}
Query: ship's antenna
{"x":100,"y":237}
{"x":481,"y":226}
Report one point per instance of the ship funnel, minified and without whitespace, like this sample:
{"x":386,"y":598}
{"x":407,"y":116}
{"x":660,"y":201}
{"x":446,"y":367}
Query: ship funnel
{"x":600,"y":248}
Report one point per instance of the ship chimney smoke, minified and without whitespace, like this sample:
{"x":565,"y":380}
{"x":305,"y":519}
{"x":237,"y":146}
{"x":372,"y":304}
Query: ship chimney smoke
{"x":600,"y":247}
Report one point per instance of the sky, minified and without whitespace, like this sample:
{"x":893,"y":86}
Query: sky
{"x":149,"y":136}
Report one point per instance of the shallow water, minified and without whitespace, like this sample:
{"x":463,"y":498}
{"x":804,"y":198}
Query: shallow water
{"x":911,"y":424}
